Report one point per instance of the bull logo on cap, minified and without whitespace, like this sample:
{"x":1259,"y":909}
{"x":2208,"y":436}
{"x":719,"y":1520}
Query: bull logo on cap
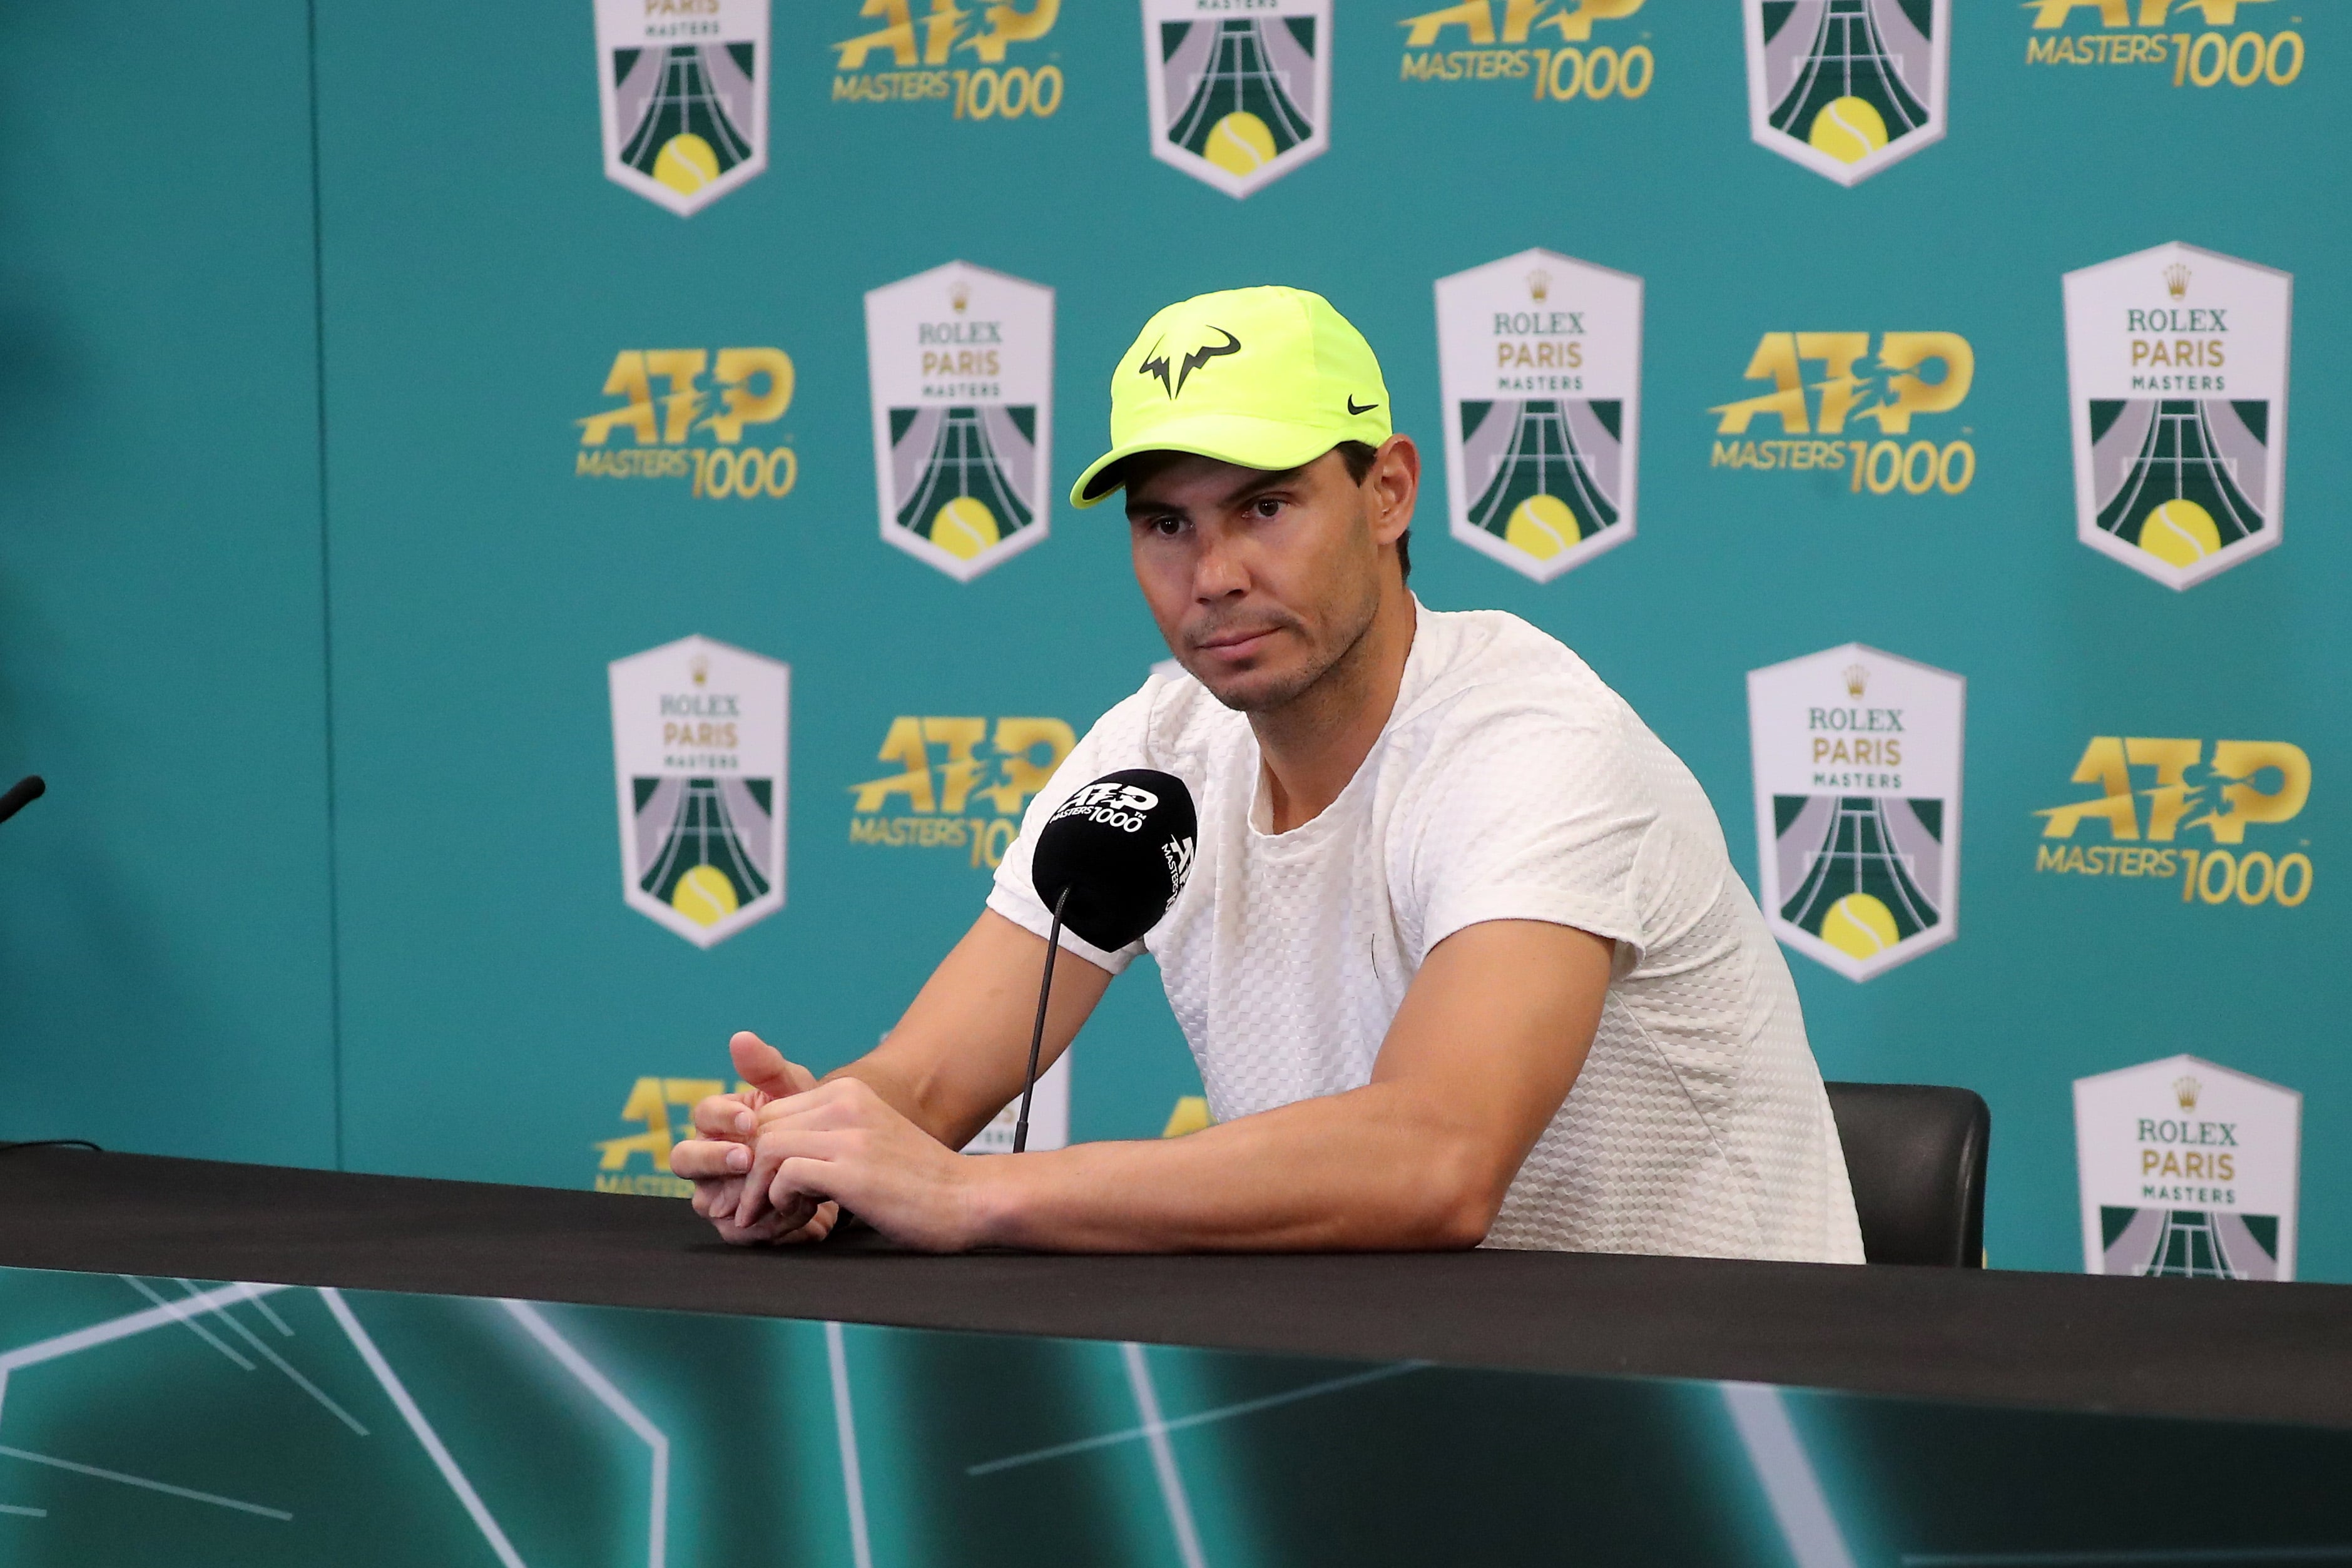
{"x":1156,"y":362}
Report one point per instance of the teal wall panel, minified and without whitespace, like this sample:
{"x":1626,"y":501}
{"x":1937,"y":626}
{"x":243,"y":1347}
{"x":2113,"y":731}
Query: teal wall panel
{"x":481,"y":275}
{"x":165,"y":968}
{"x":481,"y":587}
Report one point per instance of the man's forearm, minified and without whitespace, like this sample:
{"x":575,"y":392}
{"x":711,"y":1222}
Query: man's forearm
{"x":947,"y":1117}
{"x":1372,"y":1169}
{"x":956,"y":1058}
{"x":1477,"y":1064}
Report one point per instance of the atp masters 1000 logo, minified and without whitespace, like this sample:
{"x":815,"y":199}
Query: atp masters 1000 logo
{"x":1857,"y":758}
{"x":1240,"y":90}
{"x":753,"y":386}
{"x":664,"y":1107}
{"x":2176,"y":366}
{"x":949,"y":769}
{"x":2115,"y":33}
{"x":2218,"y":794}
{"x":698,"y":744}
{"x":962,"y":361}
{"x":1540,"y":359}
{"x":960,"y":55}
{"x":1846,"y":87}
{"x":683,"y":87}
{"x":1888,"y":389}
{"x":1548,"y":44}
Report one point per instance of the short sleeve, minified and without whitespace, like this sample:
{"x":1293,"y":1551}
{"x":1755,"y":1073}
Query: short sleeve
{"x":1535,"y":815}
{"x":1116,"y":740}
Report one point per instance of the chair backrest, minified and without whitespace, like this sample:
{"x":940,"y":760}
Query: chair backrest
{"x":1916,"y":1154}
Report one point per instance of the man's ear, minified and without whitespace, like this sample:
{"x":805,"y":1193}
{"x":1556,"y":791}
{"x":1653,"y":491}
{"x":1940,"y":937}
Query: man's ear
{"x":1395,"y":483}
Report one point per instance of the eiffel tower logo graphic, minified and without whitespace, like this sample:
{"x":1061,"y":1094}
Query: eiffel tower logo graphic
{"x":1237,"y":101}
{"x":682,"y":123}
{"x":1846,"y":87}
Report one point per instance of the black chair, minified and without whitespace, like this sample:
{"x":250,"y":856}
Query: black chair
{"x":1916,"y":1154}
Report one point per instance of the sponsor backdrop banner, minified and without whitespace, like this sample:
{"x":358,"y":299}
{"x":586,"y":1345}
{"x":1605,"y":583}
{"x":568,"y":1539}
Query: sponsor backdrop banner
{"x":668,"y":403}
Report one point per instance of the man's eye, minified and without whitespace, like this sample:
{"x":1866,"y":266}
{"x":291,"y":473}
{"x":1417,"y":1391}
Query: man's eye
{"x":1168,"y":527}
{"x":1266,"y":506}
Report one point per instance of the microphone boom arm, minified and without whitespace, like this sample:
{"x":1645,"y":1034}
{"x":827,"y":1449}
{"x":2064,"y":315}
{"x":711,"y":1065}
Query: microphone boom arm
{"x":1037,"y":1035}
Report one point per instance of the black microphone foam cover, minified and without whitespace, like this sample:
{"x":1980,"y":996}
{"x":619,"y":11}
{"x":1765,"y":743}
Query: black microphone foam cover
{"x":1122,"y":847}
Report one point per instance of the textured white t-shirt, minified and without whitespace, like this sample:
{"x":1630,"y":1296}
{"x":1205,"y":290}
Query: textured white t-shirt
{"x":1509,"y":784}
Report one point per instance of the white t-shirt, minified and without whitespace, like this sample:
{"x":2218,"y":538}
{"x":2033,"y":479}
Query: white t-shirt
{"x":1509,"y":784}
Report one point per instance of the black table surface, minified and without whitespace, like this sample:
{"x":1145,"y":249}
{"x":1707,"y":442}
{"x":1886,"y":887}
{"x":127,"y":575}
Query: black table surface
{"x":2206,"y":1349}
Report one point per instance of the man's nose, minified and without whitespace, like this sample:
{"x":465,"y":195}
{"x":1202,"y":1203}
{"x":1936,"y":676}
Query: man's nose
{"x":1218,"y":572}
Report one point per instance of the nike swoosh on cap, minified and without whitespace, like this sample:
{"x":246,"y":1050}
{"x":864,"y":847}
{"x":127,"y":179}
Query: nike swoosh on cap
{"x":1366,"y":408}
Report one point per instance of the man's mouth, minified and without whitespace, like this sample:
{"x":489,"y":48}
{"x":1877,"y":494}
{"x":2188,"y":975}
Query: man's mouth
{"x":1237,"y":644}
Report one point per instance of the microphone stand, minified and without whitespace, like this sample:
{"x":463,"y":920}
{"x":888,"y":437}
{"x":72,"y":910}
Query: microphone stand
{"x":21,"y":794}
{"x":1038,"y":1036}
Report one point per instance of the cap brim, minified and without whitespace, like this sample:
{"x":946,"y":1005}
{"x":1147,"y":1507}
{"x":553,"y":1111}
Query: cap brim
{"x":1242,"y":439}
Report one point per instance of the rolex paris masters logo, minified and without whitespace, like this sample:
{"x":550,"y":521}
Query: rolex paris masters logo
{"x":1240,"y":93}
{"x":683,"y":85}
{"x":699,"y":755}
{"x":1541,"y":359}
{"x":1846,"y":87}
{"x":1858,"y":806}
{"x":2176,"y":368}
{"x":962,"y":361}
{"x":2188,"y":1169}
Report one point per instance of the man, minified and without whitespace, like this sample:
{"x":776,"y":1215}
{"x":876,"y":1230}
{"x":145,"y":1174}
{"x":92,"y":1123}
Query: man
{"x":1462,"y":958}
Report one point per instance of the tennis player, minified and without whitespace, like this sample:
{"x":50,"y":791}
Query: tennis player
{"x":1462,"y":959}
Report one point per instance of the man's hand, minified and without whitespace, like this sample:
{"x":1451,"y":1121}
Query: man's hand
{"x":843,"y":1144}
{"x":717,"y":1158}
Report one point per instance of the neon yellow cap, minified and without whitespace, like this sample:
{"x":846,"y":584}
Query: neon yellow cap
{"x":1266,"y":378}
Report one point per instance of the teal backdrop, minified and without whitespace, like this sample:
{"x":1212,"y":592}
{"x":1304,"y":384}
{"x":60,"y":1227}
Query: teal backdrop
{"x":305,"y":612}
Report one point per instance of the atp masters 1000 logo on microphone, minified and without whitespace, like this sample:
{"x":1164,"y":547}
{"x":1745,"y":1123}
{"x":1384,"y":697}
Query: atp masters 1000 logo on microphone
{"x":2176,"y":370}
{"x":1541,"y":359}
{"x":1858,"y":806}
{"x":698,"y":761}
{"x":683,"y":88}
{"x":962,"y":362}
{"x":1847,"y":86}
{"x":1240,"y":91}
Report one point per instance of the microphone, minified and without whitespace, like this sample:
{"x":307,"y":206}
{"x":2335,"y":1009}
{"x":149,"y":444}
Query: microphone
{"x":1110,"y":863}
{"x":30,"y":788}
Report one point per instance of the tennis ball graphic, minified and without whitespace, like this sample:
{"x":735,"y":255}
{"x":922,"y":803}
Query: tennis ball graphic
{"x":686,"y":163}
{"x":964,"y":528}
{"x":704,"y":896}
{"x":1241,"y":144}
{"x":1191,"y":1115}
{"x":1858,"y":926}
{"x":2179,"y":533}
{"x":1542,"y":526}
{"x":1849,"y":130}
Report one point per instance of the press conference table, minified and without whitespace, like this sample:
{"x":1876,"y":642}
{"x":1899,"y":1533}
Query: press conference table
{"x":2270,"y":1353}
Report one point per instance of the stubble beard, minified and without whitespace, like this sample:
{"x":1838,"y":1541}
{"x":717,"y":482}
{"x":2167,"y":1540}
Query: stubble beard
{"x":1249,"y":695}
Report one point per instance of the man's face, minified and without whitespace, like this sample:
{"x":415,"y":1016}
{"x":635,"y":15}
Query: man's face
{"x":1260,"y":582}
